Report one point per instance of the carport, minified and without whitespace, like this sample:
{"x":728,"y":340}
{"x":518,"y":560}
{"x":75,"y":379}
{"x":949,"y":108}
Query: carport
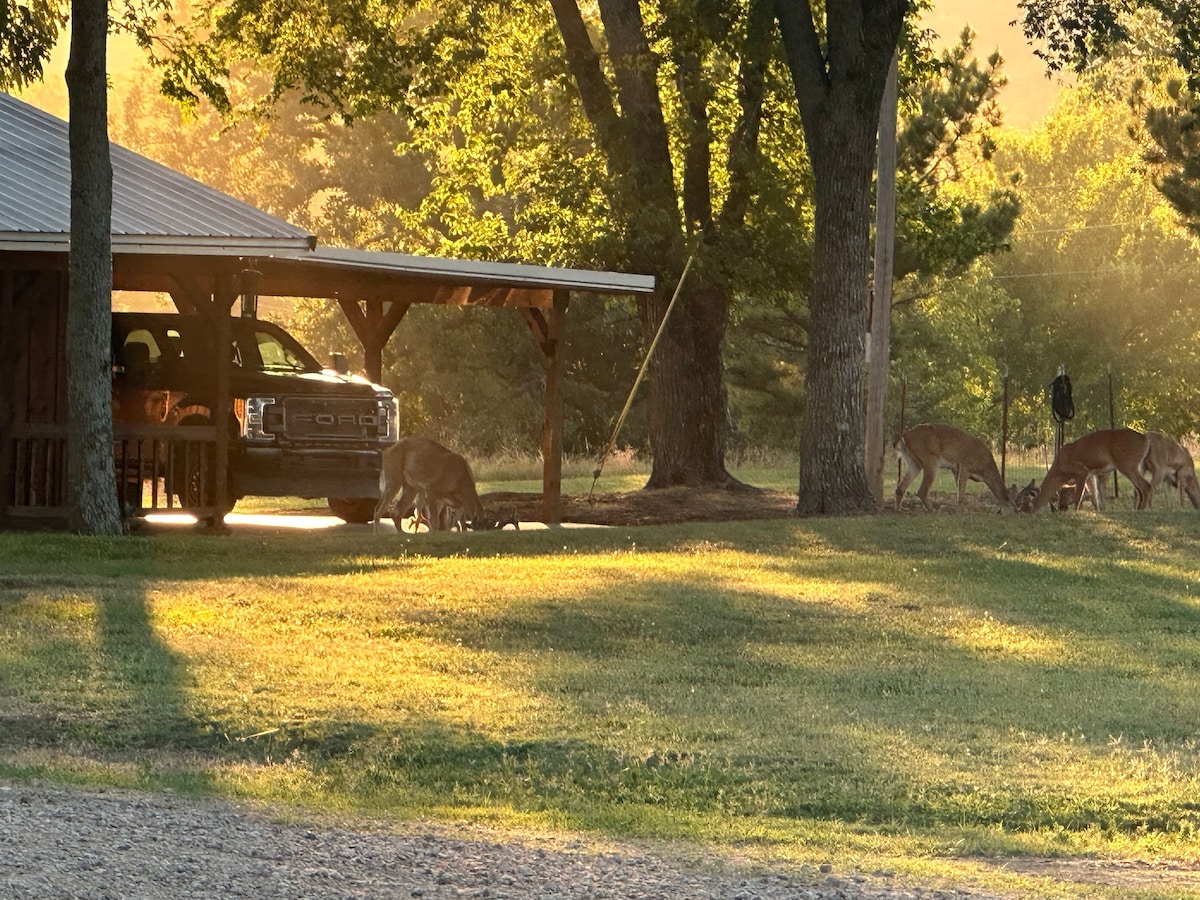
{"x":210,"y":252}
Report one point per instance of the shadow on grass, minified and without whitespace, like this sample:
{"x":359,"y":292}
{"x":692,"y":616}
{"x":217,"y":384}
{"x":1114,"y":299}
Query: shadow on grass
{"x":883,"y":717}
{"x":877,"y":706}
{"x":88,"y":673}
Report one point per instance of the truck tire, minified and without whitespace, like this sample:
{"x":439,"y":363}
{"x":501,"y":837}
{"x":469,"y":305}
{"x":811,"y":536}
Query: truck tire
{"x":188,"y":479}
{"x":359,"y":511}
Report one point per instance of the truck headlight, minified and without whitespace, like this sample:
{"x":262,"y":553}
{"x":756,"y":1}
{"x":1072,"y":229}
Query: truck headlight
{"x":254,"y":421}
{"x":389,"y":417}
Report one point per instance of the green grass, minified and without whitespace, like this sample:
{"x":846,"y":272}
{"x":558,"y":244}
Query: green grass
{"x":620,"y":473}
{"x":904,"y":692}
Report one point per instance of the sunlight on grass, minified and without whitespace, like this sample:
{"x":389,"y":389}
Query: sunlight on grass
{"x":909,"y":693}
{"x":991,"y":638}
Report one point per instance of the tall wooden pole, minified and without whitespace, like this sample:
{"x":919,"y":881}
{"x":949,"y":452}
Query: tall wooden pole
{"x":1004,"y":431}
{"x":879,"y":341}
{"x":552,"y":434}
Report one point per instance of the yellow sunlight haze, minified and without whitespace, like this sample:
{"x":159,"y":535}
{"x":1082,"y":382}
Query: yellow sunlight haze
{"x":1029,"y":94}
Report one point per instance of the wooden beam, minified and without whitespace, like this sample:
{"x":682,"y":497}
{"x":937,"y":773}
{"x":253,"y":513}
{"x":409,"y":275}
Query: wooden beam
{"x":223,"y":299}
{"x":552,"y":433}
{"x":373,"y":324}
{"x":188,"y":294}
{"x":537,"y":323}
{"x":9,"y":342}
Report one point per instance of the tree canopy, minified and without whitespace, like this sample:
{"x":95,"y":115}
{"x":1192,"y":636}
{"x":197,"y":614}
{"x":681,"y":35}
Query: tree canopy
{"x":28,"y":31}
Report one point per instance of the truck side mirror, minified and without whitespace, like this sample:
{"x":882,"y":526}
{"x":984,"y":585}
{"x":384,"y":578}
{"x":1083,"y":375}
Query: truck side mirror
{"x":337,"y":362}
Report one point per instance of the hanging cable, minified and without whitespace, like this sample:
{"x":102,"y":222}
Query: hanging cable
{"x":612,"y":441}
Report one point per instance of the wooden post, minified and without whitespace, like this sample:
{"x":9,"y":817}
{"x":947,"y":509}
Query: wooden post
{"x":1004,"y":429}
{"x":552,"y":433}
{"x":900,"y":425}
{"x":373,"y":346}
{"x":1112,"y":423}
{"x":879,"y":341}
{"x":10,"y":337}
{"x":224,"y":296}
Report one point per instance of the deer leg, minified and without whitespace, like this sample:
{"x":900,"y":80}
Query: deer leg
{"x":1143,"y":491}
{"x":927,"y":476}
{"x":960,"y":478}
{"x":1082,"y":487}
{"x":405,"y":507}
{"x":910,"y":472}
{"x":385,"y":498}
{"x":1188,"y":484}
{"x":1157,"y":477}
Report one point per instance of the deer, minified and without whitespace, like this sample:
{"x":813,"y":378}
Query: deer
{"x":929,"y":447}
{"x":1022,"y":498}
{"x":1072,"y":494}
{"x":1097,"y":453}
{"x":1168,"y":460}
{"x":429,"y":478}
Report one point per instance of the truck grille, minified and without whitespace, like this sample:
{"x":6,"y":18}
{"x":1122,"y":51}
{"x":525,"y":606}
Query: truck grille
{"x":337,"y":419}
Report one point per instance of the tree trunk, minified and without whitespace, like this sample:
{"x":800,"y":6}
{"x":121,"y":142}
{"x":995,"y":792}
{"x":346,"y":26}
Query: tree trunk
{"x":91,"y":486}
{"x":838,"y":72}
{"x":687,"y":386}
{"x":832,"y":477}
{"x":687,"y":408}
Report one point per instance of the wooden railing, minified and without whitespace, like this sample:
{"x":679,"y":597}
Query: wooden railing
{"x":156,"y":468}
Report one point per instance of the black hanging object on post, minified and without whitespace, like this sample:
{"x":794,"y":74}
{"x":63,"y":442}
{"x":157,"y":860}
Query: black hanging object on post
{"x":1061,"y":404}
{"x":1062,"y":407}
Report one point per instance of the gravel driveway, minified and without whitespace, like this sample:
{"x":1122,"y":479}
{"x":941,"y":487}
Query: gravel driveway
{"x":101,"y":845}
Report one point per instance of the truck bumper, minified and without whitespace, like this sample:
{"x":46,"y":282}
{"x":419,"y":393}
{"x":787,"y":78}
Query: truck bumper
{"x":274,"y":472}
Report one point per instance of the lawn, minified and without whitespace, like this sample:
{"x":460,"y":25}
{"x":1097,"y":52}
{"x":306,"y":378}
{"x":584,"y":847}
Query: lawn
{"x":925,"y":694}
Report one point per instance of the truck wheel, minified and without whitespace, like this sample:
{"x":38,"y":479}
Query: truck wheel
{"x":359,"y":511}
{"x":189,"y":477}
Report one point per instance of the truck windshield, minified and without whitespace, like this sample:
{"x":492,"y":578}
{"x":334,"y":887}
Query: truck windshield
{"x":277,"y":356}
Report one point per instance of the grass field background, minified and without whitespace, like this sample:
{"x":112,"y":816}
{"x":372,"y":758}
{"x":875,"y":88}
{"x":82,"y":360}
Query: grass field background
{"x":924,"y":694}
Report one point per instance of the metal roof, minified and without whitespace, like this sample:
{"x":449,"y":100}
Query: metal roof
{"x":152,"y":204}
{"x":158,"y":212}
{"x":474,"y":272}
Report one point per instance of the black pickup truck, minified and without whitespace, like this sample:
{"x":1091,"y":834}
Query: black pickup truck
{"x":297,"y":428}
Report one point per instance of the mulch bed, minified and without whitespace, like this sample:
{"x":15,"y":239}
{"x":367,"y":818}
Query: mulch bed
{"x":668,"y":506}
{"x":662,"y":506}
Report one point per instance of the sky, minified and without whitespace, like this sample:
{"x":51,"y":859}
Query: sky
{"x":1025,"y":100}
{"x":1029,"y":94}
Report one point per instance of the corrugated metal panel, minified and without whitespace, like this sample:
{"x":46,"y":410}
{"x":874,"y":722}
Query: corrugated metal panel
{"x":149,"y":200}
{"x":469,"y":271}
{"x":159,"y":211}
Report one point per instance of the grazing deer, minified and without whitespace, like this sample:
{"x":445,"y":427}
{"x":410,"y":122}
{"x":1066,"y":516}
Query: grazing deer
{"x":1097,"y":453}
{"x":930,"y":447}
{"x":1168,"y":460}
{"x":429,"y":478}
{"x":1022,"y":500}
{"x":1072,"y":495}
{"x":441,"y":515}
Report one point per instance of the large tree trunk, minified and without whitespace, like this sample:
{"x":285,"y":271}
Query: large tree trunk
{"x":91,"y":486}
{"x":832,"y":476}
{"x":838,"y":72}
{"x":687,"y":396}
{"x":687,"y":405}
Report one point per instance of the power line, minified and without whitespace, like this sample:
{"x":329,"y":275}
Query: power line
{"x":1180,"y":267}
{"x":1052,"y":274}
{"x":1021,"y":233}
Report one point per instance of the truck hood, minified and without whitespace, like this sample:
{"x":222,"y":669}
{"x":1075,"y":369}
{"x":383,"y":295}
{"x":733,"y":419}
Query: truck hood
{"x":326,"y":382}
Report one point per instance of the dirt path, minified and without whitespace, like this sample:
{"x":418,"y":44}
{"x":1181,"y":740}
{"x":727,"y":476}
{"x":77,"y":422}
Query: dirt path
{"x":104,"y":845}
